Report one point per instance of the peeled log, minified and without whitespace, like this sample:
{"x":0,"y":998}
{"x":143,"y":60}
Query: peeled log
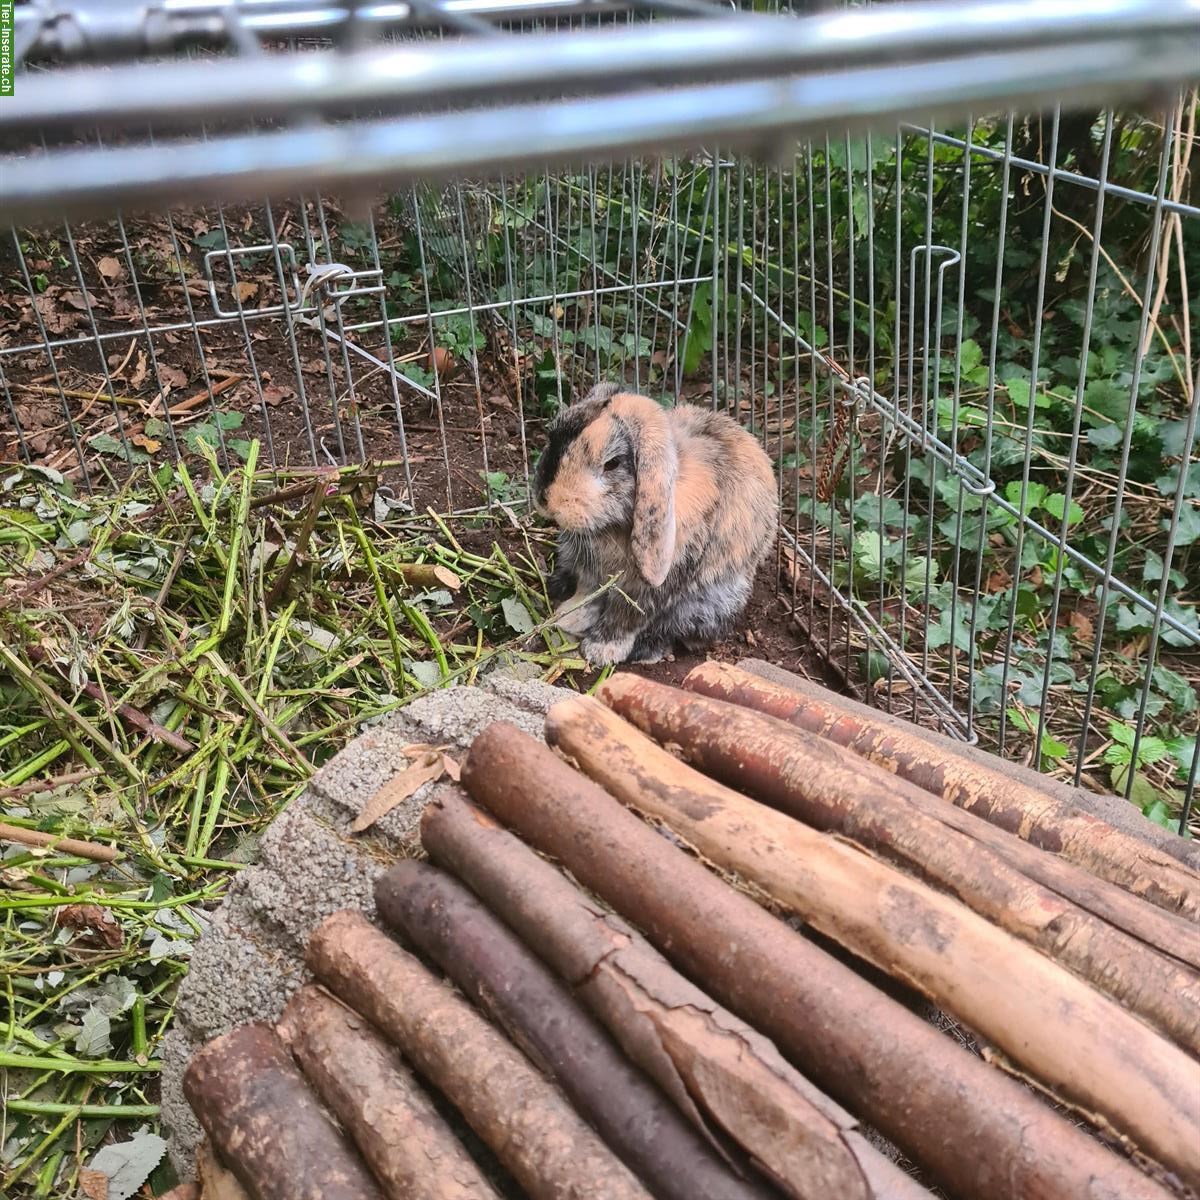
{"x":981,"y":1134}
{"x":699,"y":1053}
{"x":1048,"y":1022}
{"x":513,"y":1107}
{"x":1115,"y":810}
{"x":267,"y":1125}
{"x":426,"y":575}
{"x":437,"y":915}
{"x":831,"y":789}
{"x":362,"y":1079}
{"x":1028,"y":812}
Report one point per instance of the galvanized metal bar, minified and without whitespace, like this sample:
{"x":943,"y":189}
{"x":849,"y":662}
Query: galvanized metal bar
{"x":754,"y":113}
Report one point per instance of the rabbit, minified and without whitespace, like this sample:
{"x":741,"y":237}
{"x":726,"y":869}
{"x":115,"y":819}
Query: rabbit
{"x":680,"y":503}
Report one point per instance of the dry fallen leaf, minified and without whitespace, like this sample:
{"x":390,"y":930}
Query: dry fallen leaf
{"x":110,"y":268}
{"x":79,"y":301}
{"x":421,"y":750}
{"x":429,"y":767}
{"x":55,"y":319}
{"x":172,"y":377}
{"x":451,"y":768}
{"x":275,"y":396}
{"x":149,"y":444}
{"x":138,"y":377}
{"x":93,"y":1184}
{"x":1084,"y":629}
{"x":92,"y":919}
{"x":247,"y":291}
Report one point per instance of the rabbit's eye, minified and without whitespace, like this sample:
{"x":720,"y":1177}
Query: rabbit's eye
{"x":613,"y":463}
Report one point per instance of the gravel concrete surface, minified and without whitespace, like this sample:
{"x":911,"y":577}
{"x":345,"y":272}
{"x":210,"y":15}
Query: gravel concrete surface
{"x":249,"y":961}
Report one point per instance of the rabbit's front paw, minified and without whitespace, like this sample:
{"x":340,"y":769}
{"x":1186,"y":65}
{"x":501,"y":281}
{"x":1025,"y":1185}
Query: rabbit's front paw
{"x":602,"y":653}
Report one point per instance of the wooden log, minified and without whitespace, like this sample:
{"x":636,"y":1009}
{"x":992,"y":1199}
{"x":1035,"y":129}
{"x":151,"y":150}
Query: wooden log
{"x":1116,"y":810}
{"x":214,"y":1180}
{"x":435,"y":913}
{"x":409,"y":1148}
{"x":183,"y":1191}
{"x":995,"y":795}
{"x":1043,"y":1018}
{"x":979,"y":1133}
{"x":831,"y":789}
{"x":725,"y":1076}
{"x":267,"y":1125}
{"x":427,"y":575}
{"x":514,"y":1108}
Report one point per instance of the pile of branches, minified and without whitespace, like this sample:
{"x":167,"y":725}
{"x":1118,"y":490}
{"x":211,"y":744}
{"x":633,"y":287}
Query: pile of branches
{"x":625,"y":1023}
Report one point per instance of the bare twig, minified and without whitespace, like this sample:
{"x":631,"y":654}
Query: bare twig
{"x":51,"y":841}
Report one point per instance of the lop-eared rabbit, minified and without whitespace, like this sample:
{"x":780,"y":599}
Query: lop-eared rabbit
{"x":680,"y":503}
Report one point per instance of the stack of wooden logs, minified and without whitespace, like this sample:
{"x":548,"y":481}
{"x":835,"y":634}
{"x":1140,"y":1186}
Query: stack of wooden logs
{"x":632,"y":1016}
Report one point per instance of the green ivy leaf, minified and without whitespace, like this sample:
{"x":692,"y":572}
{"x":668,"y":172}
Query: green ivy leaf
{"x":516,"y":614}
{"x":1131,"y":620}
{"x":1106,"y":437}
{"x":1053,"y":748}
{"x":1179,"y":691}
{"x":1174,"y":437}
{"x":1183,"y":750}
{"x":699,"y":334}
{"x":1168,"y":482}
{"x":1142,"y":792}
{"x":1189,"y":618}
{"x":1160,"y":813}
{"x":970,"y":356}
{"x":1018,"y":391}
{"x":105,"y":443}
{"x":426,"y":672}
{"x":920,"y":572}
{"x":1121,"y":734}
{"x":1154,"y":566}
{"x":1151,"y":750}
{"x":870,"y":548}
{"x":1053,"y":504}
{"x":876,"y":665}
{"x":1189,"y":525}
{"x":1035,"y":495}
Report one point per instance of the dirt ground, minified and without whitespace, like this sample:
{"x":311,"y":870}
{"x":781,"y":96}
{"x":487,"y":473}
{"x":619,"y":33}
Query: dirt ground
{"x":308,"y":402}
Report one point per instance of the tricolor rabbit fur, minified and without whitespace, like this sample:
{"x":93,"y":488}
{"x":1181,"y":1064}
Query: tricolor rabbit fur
{"x":679,"y":503}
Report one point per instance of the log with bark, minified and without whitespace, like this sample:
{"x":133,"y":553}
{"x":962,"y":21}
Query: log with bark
{"x":266,"y":1123}
{"x":978,"y":1132}
{"x":727,"y":1078}
{"x":1116,"y":810}
{"x":825,"y":786}
{"x":1044,"y":1019}
{"x":409,"y":1148}
{"x":511,"y":1105}
{"x":994,"y":794}
{"x":446,"y":923}
{"x":214,"y":1180}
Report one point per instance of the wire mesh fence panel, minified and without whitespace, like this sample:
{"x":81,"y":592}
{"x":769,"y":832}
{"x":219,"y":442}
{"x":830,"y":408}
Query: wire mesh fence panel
{"x":969,"y":346}
{"x":989,"y":504}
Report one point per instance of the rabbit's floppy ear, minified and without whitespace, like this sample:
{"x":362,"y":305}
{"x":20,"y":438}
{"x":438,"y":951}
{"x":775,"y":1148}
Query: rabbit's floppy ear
{"x":599,"y":397}
{"x":652,"y":539}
